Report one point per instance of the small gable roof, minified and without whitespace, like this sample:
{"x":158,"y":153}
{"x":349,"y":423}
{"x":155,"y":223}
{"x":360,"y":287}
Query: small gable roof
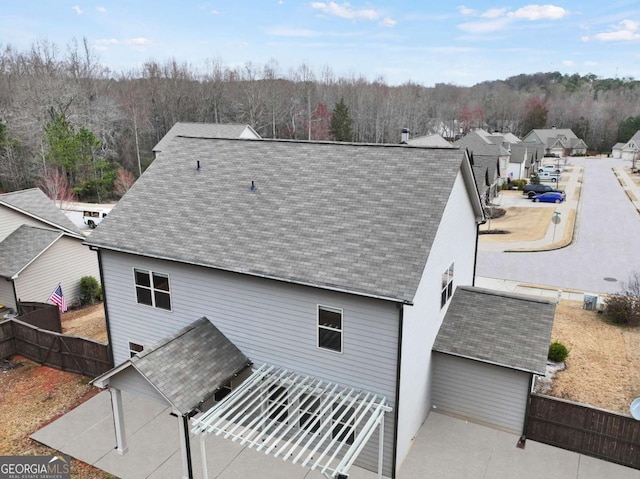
{"x":36,"y":204}
{"x":206,"y":130}
{"x":508,"y":330}
{"x":355,"y":218}
{"x":188,"y":367}
{"x":434,"y":140}
{"x":22,"y":247}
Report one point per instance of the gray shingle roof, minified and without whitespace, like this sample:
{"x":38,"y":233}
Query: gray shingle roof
{"x":351,"y":217}
{"x":22,"y":246}
{"x":191,"y":365}
{"x":33,"y":202}
{"x":204,"y":130}
{"x":434,"y":140}
{"x":498,"y":328}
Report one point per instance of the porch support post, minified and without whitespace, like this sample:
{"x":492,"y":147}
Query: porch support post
{"x":118,"y":420}
{"x":185,"y":446}
{"x":203,"y":455}
{"x":380,"y":446}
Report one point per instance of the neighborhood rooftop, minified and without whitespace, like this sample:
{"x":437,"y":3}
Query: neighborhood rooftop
{"x":205,"y":130}
{"x":350,"y":217}
{"x":22,"y":246}
{"x":512,"y":331}
{"x":33,"y":202}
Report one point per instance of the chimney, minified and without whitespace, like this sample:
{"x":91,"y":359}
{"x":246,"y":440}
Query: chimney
{"x":404,"y":139}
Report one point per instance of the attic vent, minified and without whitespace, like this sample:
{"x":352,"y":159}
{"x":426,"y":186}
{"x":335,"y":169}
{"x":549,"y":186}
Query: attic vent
{"x":253,"y":186}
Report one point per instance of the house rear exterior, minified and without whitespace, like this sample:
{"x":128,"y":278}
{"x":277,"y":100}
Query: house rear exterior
{"x":337,"y":261}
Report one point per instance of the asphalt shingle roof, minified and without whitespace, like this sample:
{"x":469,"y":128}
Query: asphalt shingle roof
{"x":33,"y":202}
{"x":22,"y":246}
{"x":498,"y":328}
{"x":201,"y":130}
{"x":189,"y":366}
{"x":352,"y":217}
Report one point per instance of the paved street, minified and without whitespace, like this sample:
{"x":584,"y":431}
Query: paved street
{"x":605,"y":248}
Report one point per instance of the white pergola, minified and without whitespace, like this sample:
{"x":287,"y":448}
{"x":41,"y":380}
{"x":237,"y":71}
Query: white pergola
{"x":308,"y":421}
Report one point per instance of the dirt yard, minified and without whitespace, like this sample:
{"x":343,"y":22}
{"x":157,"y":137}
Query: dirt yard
{"x":521,"y":223}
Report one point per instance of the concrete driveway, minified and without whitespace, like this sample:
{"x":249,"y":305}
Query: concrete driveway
{"x":604,"y":252}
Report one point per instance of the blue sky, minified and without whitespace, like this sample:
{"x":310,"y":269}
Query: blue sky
{"x":423,"y":42}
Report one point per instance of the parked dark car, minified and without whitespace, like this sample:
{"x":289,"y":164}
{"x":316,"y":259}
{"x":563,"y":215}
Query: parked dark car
{"x":531,"y":189}
{"x":549,"y":197}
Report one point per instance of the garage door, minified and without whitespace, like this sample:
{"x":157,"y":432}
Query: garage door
{"x":483,"y":393}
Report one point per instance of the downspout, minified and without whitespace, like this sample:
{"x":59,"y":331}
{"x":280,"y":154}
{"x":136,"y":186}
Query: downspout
{"x":525,"y":426}
{"x":475,"y":253}
{"x":187,"y":441}
{"x":104,"y":303}
{"x":16,"y":301}
{"x":396,"y":413}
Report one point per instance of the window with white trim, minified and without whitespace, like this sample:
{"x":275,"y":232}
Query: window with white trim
{"x":135,"y":348}
{"x":152,"y":289}
{"x":343,"y":419}
{"x":447,"y":286}
{"x":330,"y":328}
{"x":309,"y":412}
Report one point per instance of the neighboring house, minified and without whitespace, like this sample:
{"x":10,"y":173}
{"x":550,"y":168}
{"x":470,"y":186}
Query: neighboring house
{"x":485,"y":169}
{"x":206,"y":130}
{"x":558,"y":141}
{"x":329,"y":266}
{"x":628,"y":151}
{"x":481,"y":143}
{"x":520,"y":161}
{"x":37,"y":242}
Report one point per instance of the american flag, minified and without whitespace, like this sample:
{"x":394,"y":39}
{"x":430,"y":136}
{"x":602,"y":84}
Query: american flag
{"x":58,"y":298}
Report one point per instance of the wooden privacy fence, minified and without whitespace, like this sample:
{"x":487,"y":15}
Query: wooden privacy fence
{"x":577,"y":427}
{"x":42,"y":315}
{"x":69,"y":353}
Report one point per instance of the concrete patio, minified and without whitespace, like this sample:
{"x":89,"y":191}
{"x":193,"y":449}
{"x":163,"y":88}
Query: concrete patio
{"x":445,"y":447}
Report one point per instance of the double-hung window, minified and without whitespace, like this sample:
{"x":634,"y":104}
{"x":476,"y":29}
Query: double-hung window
{"x":447,"y":286}
{"x":330,"y":328}
{"x":152,"y":289}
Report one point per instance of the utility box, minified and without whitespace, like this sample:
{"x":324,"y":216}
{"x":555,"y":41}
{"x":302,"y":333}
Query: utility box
{"x":590,"y":301}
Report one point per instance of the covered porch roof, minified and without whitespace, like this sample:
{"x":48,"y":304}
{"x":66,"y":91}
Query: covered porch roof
{"x":309,"y":421}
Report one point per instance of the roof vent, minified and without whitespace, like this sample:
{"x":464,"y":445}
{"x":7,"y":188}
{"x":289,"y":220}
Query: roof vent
{"x":404,"y":139}
{"x":253,"y":186}
{"x":198,"y":166}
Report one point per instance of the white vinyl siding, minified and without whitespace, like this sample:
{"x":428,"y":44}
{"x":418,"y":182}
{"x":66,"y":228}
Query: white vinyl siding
{"x":65,"y":262}
{"x":270,"y":321}
{"x":132,"y":381}
{"x":7,"y":298}
{"x":10,"y":220}
{"x":483,"y":393}
{"x":454,"y":244}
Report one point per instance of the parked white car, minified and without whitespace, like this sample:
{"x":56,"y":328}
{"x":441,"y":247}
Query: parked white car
{"x":550,"y":169}
{"x":549,"y":176}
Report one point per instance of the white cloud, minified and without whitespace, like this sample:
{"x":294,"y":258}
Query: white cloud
{"x":77,"y":9}
{"x":485,"y":26}
{"x":345,"y":11}
{"x":388,"y":22}
{"x":138,"y":41}
{"x":466,"y":11}
{"x":568,"y":63}
{"x":215,"y":12}
{"x":626,"y":30}
{"x":290,"y":32}
{"x":101,"y":10}
{"x":590,"y":63}
{"x":107,"y":41}
{"x":494,"y":13}
{"x":539,"y":12}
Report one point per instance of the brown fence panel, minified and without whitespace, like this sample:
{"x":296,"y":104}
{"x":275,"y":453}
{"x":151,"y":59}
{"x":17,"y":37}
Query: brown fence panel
{"x":69,"y":353}
{"x":591,"y":431}
{"x":42,"y":315}
{"x":7,"y":342}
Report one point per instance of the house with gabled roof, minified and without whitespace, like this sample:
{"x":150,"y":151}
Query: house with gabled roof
{"x":558,"y":141}
{"x":330,"y":266}
{"x":205,"y":130}
{"x":37,"y":241}
{"x":628,"y":151}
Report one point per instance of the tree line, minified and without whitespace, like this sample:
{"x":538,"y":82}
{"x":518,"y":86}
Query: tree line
{"x":69,"y":124}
